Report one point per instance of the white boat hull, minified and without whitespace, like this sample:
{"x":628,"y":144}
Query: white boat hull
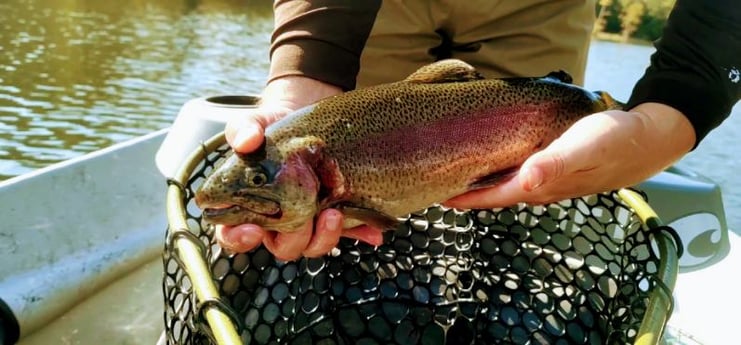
{"x":81,"y":248}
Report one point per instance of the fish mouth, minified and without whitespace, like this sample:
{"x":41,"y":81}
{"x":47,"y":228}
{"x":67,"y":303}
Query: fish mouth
{"x":247,"y":209}
{"x":215,"y":212}
{"x":235,"y":215}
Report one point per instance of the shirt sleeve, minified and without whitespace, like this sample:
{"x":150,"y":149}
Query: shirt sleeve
{"x":696,"y":68}
{"x":321,"y":39}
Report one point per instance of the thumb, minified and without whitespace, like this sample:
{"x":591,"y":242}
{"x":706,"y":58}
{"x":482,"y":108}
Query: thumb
{"x":549,"y":165}
{"x":244,"y":133}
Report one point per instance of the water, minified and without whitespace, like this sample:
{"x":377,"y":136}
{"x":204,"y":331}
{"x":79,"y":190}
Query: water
{"x":80,"y":75}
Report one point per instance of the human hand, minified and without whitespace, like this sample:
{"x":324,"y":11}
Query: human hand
{"x":245,"y":134}
{"x":601,"y":152}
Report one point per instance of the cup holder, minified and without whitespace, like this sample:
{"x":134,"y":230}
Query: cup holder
{"x":198,"y":120}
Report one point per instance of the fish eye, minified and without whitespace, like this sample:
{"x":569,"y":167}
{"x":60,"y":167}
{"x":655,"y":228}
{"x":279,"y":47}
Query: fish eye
{"x":258,"y":179}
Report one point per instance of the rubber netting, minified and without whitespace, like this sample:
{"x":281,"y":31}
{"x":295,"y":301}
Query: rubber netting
{"x":574,"y":272}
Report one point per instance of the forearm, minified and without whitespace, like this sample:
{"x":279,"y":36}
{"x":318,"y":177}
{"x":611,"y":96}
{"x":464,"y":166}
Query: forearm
{"x":693,"y":67}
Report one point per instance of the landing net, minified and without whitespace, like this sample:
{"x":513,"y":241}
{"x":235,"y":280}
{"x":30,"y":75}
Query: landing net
{"x":591,"y":270}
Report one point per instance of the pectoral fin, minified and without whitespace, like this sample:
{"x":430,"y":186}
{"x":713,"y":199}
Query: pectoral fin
{"x":445,"y":71}
{"x":494,"y":178}
{"x":368,"y":216}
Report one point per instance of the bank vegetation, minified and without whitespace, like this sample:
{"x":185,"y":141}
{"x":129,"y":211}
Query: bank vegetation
{"x":631,"y":20}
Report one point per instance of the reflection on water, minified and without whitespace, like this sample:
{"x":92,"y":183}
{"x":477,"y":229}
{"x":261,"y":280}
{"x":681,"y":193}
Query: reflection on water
{"x":79,"y":75}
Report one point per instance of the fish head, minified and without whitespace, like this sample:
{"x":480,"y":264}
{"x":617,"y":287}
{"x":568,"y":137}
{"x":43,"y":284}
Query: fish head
{"x":277,"y":194}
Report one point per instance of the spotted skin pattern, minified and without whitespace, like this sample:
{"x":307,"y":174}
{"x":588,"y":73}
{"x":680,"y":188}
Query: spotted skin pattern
{"x":400,"y":147}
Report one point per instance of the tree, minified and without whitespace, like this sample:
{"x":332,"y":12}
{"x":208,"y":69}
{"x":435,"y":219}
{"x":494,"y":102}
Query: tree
{"x":631,"y":18}
{"x":643,"y":19}
{"x":602,"y":12}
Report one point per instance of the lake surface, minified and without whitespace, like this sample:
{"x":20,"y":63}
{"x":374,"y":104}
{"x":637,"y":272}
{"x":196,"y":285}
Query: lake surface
{"x":80,"y":75}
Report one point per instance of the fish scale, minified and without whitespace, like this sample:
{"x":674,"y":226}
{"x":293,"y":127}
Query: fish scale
{"x":385,"y":151}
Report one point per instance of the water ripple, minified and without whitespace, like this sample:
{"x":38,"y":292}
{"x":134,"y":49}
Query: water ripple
{"x":77,"y":76}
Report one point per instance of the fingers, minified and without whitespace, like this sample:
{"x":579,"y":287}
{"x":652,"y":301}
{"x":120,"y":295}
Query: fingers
{"x":365,"y":233}
{"x":506,"y":194}
{"x":329,"y":230}
{"x":308,"y":243}
{"x":540,"y":170}
{"x":305,"y":242}
{"x":240,"y":238}
{"x":327,"y":233}
{"x":289,"y":246}
{"x":284,"y":246}
{"x":547,"y":167}
{"x":244,"y":133}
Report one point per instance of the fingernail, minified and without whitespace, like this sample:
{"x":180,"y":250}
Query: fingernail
{"x":332,"y":222}
{"x":534,"y":178}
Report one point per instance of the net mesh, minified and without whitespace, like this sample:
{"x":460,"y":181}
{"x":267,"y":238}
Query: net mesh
{"x":574,"y":272}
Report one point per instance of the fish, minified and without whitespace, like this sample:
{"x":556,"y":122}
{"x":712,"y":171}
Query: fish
{"x":382,"y":152}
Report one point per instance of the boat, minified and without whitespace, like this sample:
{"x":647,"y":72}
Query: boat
{"x":82,"y":240}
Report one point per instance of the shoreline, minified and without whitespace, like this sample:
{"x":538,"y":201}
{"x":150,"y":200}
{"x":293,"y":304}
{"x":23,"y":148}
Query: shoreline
{"x":618,"y":38}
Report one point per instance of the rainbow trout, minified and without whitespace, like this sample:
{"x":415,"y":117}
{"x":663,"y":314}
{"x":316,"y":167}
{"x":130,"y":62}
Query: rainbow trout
{"x":382,"y":152}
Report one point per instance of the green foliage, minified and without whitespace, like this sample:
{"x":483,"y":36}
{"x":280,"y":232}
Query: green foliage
{"x":608,"y":16}
{"x":639,"y":19}
{"x":631,"y":18}
{"x":650,"y":29}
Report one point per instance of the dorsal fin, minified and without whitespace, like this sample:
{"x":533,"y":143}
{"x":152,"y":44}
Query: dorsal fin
{"x":561,"y":76}
{"x":445,"y":71}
